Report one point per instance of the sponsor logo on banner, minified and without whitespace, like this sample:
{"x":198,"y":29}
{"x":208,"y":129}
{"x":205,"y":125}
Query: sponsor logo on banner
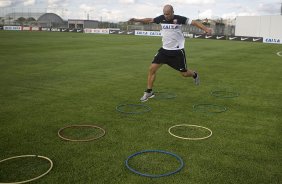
{"x":148,"y":33}
{"x":35,"y":29}
{"x":272,"y":40}
{"x":233,"y":38}
{"x":55,"y":30}
{"x":121,"y":32}
{"x":155,"y":33}
{"x":187,"y":35}
{"x":13,"y":28}
{"x":75,"y":30}
{"x":198,"y":36}
{"x":260,"y":39}
{"x":101,"y":31}
{"x":221,"y":37}
{"x":45,"y":29}
{"x":246,"y":39}
{"x":208,"y":37}
{"x":217,"y":37}
{"x":65,"y":30}
{"x":97,"y":31}
{"x":114,"y":30}
{"x":26,"y":28}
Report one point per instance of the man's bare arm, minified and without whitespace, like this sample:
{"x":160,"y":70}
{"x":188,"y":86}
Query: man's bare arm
{"x":145,"y":20}
{"x":201,"y":26}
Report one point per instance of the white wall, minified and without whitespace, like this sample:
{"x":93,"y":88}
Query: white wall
{"x":259,"y":26}
{"x":247,"y":26}
{"x":276,"y":26}
{"x":265,"y":29}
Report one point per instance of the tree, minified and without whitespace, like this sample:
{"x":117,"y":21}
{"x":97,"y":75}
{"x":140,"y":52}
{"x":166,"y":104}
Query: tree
{"x":30,"y":19}
{"x":2,"y":20}
{"x":9,"y":19}
{"x":21,"y":20}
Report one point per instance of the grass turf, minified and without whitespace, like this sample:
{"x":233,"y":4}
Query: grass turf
{"x":52,"y":80}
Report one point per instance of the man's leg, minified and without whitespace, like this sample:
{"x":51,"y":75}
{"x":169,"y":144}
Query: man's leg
{"x":190,"y":73}
{"x":150,"y":82}
{"x":152,"y":75}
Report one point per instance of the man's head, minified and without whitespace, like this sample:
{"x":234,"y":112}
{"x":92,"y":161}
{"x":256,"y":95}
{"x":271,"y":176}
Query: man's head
{"x":168,"y":12}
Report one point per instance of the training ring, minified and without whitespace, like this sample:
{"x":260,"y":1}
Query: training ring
{"x":190,"y":138}
{"x":145,"y":108}
{"x":279,"y":53}
{"x":81,"y":140}
{"x":152,"y":175}
{"x":197,"y":108}
{"x":224,"y":94}
{"x":22,"y":156}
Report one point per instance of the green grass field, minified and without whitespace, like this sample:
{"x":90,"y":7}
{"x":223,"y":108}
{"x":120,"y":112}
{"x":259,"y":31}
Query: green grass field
{"x":52,"y":80}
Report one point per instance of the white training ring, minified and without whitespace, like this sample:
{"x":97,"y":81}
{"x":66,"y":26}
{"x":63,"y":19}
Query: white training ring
{"x":80,"y":140}
{"x":190,"y":138}
{"x":279,"y":53}
{"x":22,"y":156}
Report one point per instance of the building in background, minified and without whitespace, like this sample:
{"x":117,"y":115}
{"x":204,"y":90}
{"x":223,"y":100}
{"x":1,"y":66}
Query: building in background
{"x":81,"y":24}
{"x":51,"y":20}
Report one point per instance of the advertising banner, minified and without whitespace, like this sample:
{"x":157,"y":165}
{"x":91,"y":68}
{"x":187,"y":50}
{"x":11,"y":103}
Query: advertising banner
{"x":113,"y":31}
{"x":73,"y":30}
{"x":234,"y":38}
{"x":147,"y":33}
{"x":26,"y":28}
{"x":35,"y":29}
{"x":272,"y":40}
{"x":121,"y":32}
{"x":55,"y":29}
{"x":245,"y":38}
{"x":188,"y":35}
{"x":13,"y":28}
{"x":64,"y":29}
{"x":216,"y":37}
{"x":199,"y":36}
{"x":97,"y":31}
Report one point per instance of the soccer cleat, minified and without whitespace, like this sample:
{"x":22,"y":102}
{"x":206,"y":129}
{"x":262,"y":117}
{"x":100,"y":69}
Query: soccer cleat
{"x":146,"y":96}
{"x":197,"y":79}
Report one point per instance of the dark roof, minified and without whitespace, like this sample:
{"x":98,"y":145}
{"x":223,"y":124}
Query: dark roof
{"x":50,"y":17}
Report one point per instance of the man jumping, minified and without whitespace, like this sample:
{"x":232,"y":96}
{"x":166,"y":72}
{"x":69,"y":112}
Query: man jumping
{"x":172,"y":51}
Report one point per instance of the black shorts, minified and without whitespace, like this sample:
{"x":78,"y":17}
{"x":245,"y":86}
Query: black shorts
{"x":174,"y":58}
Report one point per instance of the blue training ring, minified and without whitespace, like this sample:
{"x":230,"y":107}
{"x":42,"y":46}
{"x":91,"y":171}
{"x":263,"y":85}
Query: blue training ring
{"x":152,"y":175}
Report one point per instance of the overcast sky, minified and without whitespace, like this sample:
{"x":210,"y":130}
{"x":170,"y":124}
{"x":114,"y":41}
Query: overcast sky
{"x":122,"y":10}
